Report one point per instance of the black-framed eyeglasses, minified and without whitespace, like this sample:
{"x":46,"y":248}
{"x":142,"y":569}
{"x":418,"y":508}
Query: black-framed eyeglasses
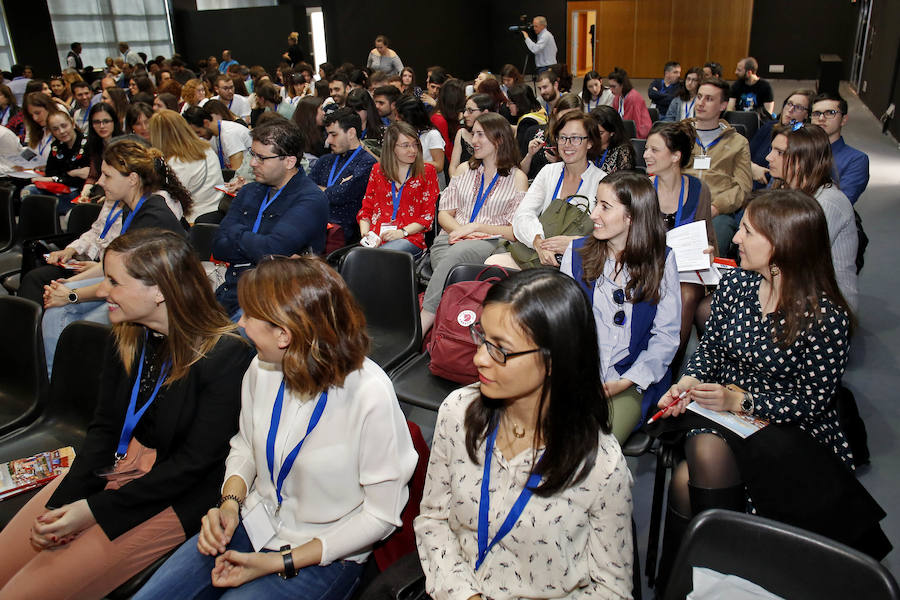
{"x":791,"y":107}
{"x":262,"y":158}
{"x":618,"y":297}
{"x":828,"y":114}
{"x":498,"y":354}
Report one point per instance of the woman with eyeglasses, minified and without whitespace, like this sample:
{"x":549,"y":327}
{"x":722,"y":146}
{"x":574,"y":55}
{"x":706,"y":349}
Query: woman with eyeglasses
{"x":682,"y":105}
{"x":631,"y":280}
{"x":475,"y":106}
{"x":402,"y":193}
{"x":527,"y":494}
{"x":795,"y":109}
{"x":155,"y":451}
{"x":317,"y":472}
{"x":801,"y":159}
{"x":104,"y":126}
{"x":575,"y":176}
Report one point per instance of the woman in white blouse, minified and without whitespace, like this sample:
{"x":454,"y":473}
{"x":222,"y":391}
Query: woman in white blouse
{"x":318,"y":470}
{"x":538,"y":420}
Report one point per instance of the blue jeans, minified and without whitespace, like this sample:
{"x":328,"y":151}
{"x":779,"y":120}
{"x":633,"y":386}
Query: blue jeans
{"x":403,"y":245}
{"x":187,"y":575}
{"x":55,"y":319}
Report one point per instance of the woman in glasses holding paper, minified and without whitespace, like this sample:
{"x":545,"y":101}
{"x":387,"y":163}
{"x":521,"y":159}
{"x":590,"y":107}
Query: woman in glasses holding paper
{"x":683,"y":199}
{"x":154,"y":454}
{"x":527,"y":494}
{"x":774,"y":351}
{"x":401,"y":196}
{"x":477,"y":207}
{"x":631,"y":280}
{"x":318,"y":471}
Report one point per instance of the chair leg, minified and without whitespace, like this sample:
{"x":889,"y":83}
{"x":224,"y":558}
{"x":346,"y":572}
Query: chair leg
{"x":636,"y":591}
{"x":664,"y":461}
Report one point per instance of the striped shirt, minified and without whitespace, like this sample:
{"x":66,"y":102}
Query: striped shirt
{"x":498,"y":208}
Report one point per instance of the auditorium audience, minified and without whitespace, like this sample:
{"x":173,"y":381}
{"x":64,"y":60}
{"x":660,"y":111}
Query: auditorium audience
{"x":282,"y":212}
{"x":750,"y":92}
{"x":593,"y":94}
{"x":663,"y":91}
{"x":476,"y":209}
{"x":190,"y":159}
{"x":682,"y":105}
{"x":136,"y":490}
{"x":721,"y":159}
{"x":628,"y":102}
{"x":795,"y":109}
{"x":829,"y":111}
{"x":617,"y":151}
{"x":344,"y":173}
{"x":401,"y":195}
{"x":343,"y":486}
{"x":528,"y":429}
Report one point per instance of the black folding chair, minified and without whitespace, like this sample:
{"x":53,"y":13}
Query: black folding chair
{"x":654,"y":114}
{"x":630,"y":128}
{"x":23,"y":371}
{"x":202,"y":236}
{"x":639,"y":145}
{"x":749,"y":119}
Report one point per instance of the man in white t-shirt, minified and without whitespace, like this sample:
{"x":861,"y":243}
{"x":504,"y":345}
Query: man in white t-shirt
{"x":230,"y":140}
{"x":236,"y":103}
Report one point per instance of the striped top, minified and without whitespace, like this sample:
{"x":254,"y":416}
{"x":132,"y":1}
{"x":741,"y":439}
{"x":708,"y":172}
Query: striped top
{"x":499,"y":207}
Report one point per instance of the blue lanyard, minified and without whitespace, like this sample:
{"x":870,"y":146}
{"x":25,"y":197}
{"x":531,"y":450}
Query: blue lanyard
{"x":331,"y":176}
{"x":706,"y":148}
{"x":689,"y":108}
{"x":622,"y":106}
{"x":230,"y":102}
{"x":362,"y":136}
{"x":273,"y":432}
{"x":110,"y":219}
{"x":593,"y":106}
{"x":482,"y":195}
{"x":680,"y":198}
{"x":397,"y":195}
{"x":127,"y":223}
{"x":3,"y":115}
{"x":266,"y":203}
{"x":559,"y":184}
{"x":131,"y":417}
{"x":603,"y":158}
{"x":485,"y":504}
{"x":219,"y":144}
{"x":43,"y":145}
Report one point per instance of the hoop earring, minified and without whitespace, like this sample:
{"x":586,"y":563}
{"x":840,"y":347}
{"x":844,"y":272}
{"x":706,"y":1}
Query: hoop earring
{"x":774,"y":271}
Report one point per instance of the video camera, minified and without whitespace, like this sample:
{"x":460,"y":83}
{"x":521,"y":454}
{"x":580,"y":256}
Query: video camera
{"x":524,"y":25}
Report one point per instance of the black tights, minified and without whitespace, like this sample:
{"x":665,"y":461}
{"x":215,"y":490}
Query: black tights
{"x":691,"y":296}
{"x":709,"y":464}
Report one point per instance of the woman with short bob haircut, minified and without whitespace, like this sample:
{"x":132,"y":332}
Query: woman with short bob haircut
{"x":631,"y":280}
{"x":140,"y":485}
{"x":539,"y":419}
{"x":338,"y":491}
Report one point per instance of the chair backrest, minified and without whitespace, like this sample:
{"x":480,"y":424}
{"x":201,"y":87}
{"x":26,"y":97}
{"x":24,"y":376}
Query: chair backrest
{"x":202,"y":236}
{"x":384,"y":283}
{"x":630,"y":128}
{"x":23,"y":368}
{"x":81,"y":217}
{"x":227,"y":174}
{"x":749,"y":119}
{"x":7,"y":217}
{"x":468,"y":272}
{"x":787,"y":561}
{"x":741,"y":129}
{"x":74,"y":389}
{"x":654,"y":114}
{"x":37,"y":217}
{"x":639,"y":145}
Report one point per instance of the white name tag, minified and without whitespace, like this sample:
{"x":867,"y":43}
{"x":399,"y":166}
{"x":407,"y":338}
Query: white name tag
{"x":259,"y":527}
{"x":701,"y":163}
{"x":387,"y":228}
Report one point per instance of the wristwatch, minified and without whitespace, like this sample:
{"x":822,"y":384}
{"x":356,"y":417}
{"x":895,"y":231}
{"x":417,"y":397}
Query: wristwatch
{"x":289,"y":569}
{"x":747,"y":404}
{"x":405,"y":233}
{"x":72,"y":297}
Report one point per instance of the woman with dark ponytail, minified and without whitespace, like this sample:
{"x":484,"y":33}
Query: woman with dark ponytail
{"x":146,"y":193}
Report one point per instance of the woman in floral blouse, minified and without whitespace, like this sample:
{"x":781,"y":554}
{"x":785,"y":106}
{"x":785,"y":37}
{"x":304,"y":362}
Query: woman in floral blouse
{"x":402,"y":194}
{"x":528,"y":428}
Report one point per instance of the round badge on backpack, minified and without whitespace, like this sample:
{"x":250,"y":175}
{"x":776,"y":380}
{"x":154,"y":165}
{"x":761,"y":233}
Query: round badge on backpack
{"x":466,"y":318}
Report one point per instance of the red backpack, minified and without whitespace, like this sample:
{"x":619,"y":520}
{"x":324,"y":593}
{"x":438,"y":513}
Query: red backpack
{"x":451,"y":347}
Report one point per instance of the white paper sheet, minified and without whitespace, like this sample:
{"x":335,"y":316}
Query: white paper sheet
{"x":688,"y":243}
{"x":712,"y":585}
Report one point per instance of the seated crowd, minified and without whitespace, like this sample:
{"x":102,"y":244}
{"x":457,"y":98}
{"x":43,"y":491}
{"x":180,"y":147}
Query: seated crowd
{"x":527,"y":493}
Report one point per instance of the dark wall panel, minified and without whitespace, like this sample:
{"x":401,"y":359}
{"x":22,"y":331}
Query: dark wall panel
{"x":795,"y":33}
{"x":32,"y":35}
{"x":880,"y":77}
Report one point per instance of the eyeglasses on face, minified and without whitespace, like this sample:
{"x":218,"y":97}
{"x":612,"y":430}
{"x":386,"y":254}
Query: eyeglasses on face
{"x":575,"y":140}
{"x":261,"y":158}
{"x":405,"y":146}
{"x":791,"y":107}
{"x":101,"y":121}
{"x":498,"y":354}
{"x":828,"y":114}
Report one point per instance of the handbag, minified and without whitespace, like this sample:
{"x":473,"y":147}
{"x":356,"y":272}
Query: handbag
{"x":563,"y":216}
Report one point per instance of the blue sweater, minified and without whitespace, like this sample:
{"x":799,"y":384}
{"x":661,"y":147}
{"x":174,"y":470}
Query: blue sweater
{"x":852,"y":168}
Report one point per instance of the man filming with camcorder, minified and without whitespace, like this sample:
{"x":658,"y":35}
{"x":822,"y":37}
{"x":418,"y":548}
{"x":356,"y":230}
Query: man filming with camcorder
{"x":544,"y":49}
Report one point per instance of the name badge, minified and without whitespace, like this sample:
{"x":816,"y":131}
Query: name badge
{"x":259,"y":527}
{"x":387,"y":228}
{"x":701,"y":163}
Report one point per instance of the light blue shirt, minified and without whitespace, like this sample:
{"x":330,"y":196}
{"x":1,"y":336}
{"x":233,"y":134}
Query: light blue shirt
{"x":544,"y":49}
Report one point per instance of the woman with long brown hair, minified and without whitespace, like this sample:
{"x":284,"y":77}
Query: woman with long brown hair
{"x":774,"y":351}
{"x":328,"y":498}
{"x":153,"y":458}
{"x":36,"y":107}
{"x":631,"y":280}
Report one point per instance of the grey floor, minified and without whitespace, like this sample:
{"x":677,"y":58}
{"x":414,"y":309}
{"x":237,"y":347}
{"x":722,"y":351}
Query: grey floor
{"x":874,"y":370}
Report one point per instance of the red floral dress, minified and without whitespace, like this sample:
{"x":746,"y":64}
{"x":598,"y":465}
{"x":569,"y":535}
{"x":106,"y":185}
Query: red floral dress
{"x":418,"y":202}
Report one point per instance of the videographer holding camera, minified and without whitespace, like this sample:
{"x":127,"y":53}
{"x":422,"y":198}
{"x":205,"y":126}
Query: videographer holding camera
{"x":544,"y":49}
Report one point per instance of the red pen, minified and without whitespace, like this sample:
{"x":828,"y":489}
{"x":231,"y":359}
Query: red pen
{"x":659,"y":414}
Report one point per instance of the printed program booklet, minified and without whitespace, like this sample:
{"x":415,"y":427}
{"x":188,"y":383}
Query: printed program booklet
{"x":743,"y":425}
{"x":23,"y":474}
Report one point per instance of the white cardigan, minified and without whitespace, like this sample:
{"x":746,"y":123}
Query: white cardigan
{"x":348,"y":484}
{"x":526,"y":224}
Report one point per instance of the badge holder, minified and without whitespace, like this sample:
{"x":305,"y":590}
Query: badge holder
{"x":262,"y":523}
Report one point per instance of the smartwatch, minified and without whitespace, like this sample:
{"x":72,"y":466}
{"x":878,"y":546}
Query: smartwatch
{"x":289,"y":569}
{"x":72,"y":297}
